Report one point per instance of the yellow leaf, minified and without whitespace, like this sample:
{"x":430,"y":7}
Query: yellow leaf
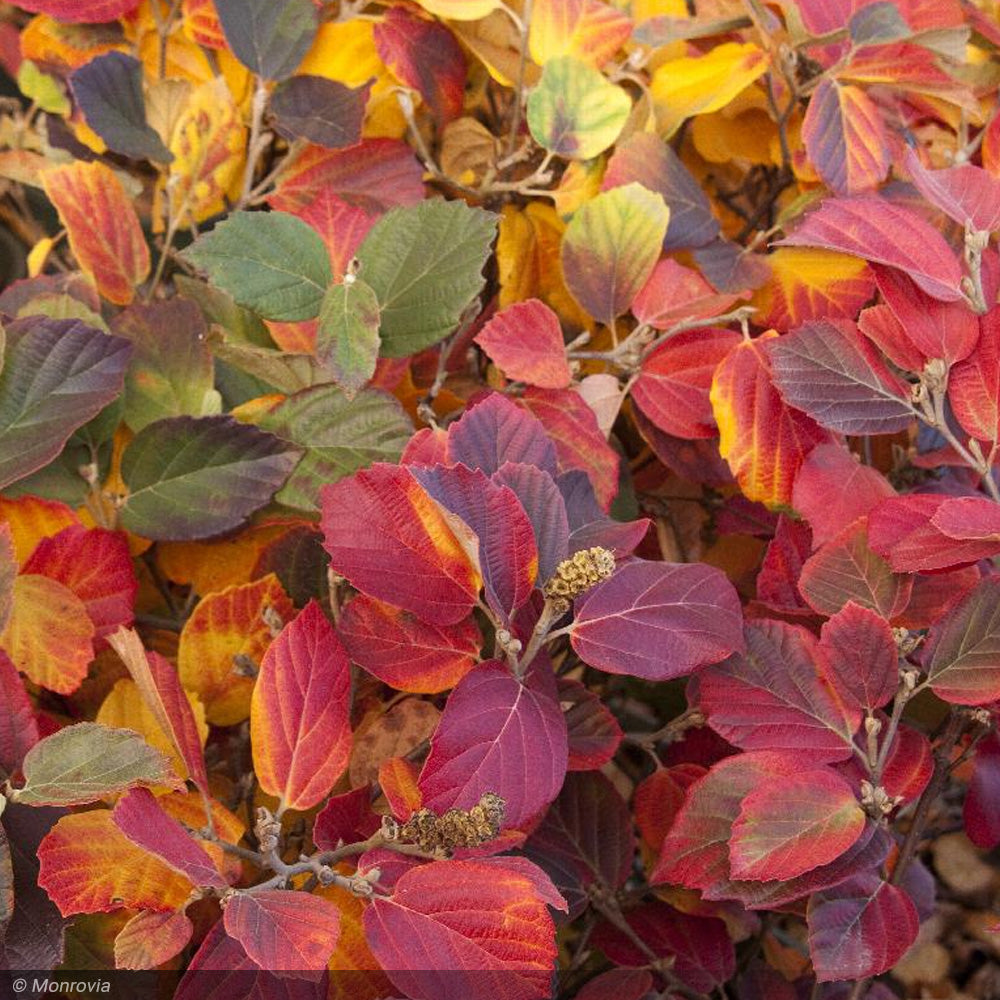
{"x":461,"y":10}
{"x":224,"y":629}
{"x":529,"y":262}
{"x":38,"y":255}
{"x":125,"y":708}
{"x":589,"y":30}
{"x":495,"y":41}
{"x":344,"y":51}
{"x":31,"y":519}
{"x":696,"y":85}
{"x":209,"y":151}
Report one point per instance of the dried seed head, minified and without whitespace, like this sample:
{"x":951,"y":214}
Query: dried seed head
{"x":579,"y":573}
{"x":456,"y":828}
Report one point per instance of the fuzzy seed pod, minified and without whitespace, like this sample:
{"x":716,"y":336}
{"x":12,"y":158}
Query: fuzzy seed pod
{"x":456,"y":828}
{"x":579,"y":573}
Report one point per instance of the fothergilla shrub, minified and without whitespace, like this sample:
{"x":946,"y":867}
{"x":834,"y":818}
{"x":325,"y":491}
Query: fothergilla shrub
{"x":499,"y":497}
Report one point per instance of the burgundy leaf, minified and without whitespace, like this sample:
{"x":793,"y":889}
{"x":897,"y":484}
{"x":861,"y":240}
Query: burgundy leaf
{"x":658,"y":620}
{"x":498,"y":735}
{"x":859,"y":657}
{"x":860,"y":928}
{"x":774,"y":697}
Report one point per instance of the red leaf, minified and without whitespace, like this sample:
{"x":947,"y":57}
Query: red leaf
{"x":830,"y":371}
{"x":930,"y":531}
{"x":425,"y":56}
{"x":658,"y":620}
{"x":792,"y":824}
{"x":589,"y":830}
{"x":675,"y":293}
{"x":974,"y":383}
{"x":883,"y":328}
{"x":962,"y":656}
{"x":948,"y":330}
{"x":846,"y":569}
{"x":160,"y":687}
{"x":81,"y":11}
{"x":102,"y":227}
{"x":966,"y":193}
{"x":525,"y":340}
{"x":981,"y":810}
{"x":909,"y":766}
{"x":579,"y":444}
{"x":674,"y":381}
{"x":658,"y":798}
{"x":935,"y":593}
{"x":300,"y":726}
{"x":348,"y":817}
{"x":507,"y":555}
{"x":96,"y":565}
{"x":833,"y":489}
{"x":594,"y":733}
{"x":701,"y":948}
{"x":787,"y":552}
{"x":404,"y":652}
{"x":375,"y":175}
{"x":392,"y":541}
{"x":18,"y":726}
{"x":774,"y":697}
{"x":845,"y":138}
{"x":284,"y":931}
{"x":341,"y":225}
{"x":863,"y":927}
{"x":859,"y":657}
{"x":494,"y":431}
{"x":618,"y":984}
{"x":138,"y":815}
{"x":397,"y":776}
{"x":437,"y":935}
{"x":497,"y":735}
{"x":696,"y":854}
{"x":884,"y":233}
{"x":220,"y":953}
{"x":763,"y":439}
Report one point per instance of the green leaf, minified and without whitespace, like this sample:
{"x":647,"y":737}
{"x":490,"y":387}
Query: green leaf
{"x":347,"y":339}
{"x":193,"y":477}
{"x":58,"y":374}
{"x":86,"y":762}
{"x":270,"y":262}
{"x":219,"y":308}
{"x":280,"y":370}
{"x":171,"y":371}
{"x":41,"y":88}
{"x":58,"y":305}
{"x":425,"y":264}
{"x":269,"y":37}
{"x":611,"y":246}
{"x":339,"y":436}
{"x":574,"y":111}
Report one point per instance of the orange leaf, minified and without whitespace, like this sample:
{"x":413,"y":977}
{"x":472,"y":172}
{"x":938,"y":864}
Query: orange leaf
{"x":31,"y":519}
{"x":398,"y":778}
{"x":124,"y":708}
{"x":178,"y":715}
{"x":214,"y":565}
{"x":808,"y":283}
{"x":300,"y":726}
{"x":49,"y":636}
{"x":103,"y":229}
{"x":150,"y":939}
{"x":763,"y":440}
{"x":87,"y":865}
{"x":589,"y":30}
{"x":222,"y":627}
